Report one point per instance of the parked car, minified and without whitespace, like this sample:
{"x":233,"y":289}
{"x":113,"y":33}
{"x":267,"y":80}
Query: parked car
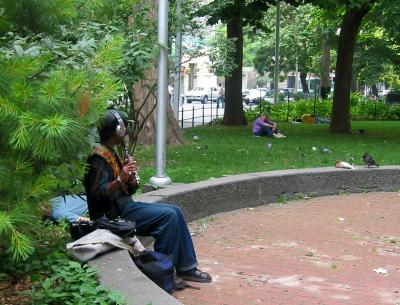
{"x":202,"y":94}
{"x":383,"y":92}
{"x":255,"y":95}
{"x":287,"y":92}
{"x":393,"y":97}
{"x":244,"y":93}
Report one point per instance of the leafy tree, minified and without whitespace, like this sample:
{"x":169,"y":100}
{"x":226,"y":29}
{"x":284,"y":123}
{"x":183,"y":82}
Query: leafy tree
{"x":220,"y":52}
{"x":52,"y":89}
{"x":354,"y":12}
{"x":236,"y":14}
{"x":325,"y":24}
{"x":377,"y":51}
{"x":36,"y":15}
{"x":299,"y":42}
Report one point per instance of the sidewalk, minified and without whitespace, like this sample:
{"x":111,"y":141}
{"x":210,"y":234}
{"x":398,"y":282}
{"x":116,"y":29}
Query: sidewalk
{"x":318,"y":251}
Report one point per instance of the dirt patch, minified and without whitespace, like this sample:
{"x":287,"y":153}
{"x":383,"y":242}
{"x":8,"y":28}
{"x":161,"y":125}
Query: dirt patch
{"x":13,"y":292}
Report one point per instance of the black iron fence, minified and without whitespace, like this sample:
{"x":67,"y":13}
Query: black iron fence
{"x":199,"y":115}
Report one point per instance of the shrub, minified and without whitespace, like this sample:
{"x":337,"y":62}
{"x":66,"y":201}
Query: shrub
{"x":69,"y":282}
{"x":361,"y":108}
{"x":46,"y":110}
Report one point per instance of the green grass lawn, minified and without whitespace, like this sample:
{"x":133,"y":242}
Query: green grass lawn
{"x":227,"y":150}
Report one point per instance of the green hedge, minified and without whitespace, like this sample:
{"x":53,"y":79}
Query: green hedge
{"x":361,"y":108}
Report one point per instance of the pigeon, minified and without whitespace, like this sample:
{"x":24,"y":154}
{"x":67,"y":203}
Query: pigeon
{"x":342,"y":164}
{"x":269,"y":146}
{"x":195,"y":138}
{"x":369,"y":160}
{"x":326,"y":150}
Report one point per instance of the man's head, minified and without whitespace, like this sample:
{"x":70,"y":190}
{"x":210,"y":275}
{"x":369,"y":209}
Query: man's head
{"x":265,"y":116}
{"x":113,"y":124}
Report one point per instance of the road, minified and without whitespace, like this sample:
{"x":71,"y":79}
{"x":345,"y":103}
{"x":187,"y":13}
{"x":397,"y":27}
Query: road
{"x":196,"y":113}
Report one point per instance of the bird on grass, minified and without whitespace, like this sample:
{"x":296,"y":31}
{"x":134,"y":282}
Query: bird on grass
{"x":342,"y":164}
{"x":369,"y":160}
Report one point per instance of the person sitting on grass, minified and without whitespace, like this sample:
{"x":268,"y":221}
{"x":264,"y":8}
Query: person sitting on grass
{"x":263,"y":126}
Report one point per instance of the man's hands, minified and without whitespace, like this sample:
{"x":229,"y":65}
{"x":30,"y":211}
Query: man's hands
{"x":128,"y":170}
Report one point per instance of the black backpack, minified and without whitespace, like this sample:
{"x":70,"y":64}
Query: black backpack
{"x":120,"y":227}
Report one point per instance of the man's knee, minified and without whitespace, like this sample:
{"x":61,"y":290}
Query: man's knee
{"x":175,"y":214}
{"x":170,"y":213}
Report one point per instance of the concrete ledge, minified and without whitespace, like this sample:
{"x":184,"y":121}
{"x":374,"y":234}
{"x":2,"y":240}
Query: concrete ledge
{"x":118,"y":272}
{"x":201,"y":199}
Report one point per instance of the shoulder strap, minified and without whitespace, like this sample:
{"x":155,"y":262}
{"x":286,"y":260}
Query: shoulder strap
{"x":112,"y":160}
{"x":108,"y":156}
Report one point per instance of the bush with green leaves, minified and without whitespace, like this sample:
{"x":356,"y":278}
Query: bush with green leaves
{"x":69,"y":282}
{"x":361,"y":108}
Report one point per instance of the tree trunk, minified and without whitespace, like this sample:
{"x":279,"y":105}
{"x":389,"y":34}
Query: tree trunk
{"x":340,"y":121}
{"x":325,"y":67}
{"x":144,"y":103}
{"x":234,"y":114}
{"x":144,"y":107}
{"x":303,"y":79}
{"x":374,"y":90}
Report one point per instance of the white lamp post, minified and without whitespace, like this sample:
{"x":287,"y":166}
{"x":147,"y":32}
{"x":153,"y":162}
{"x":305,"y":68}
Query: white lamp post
{"x":161,"y":179}
{"x":276,"y":68}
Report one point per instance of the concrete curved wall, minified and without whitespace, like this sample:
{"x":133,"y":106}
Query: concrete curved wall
{"x":205,"y":198}
{"x":200,"y":199}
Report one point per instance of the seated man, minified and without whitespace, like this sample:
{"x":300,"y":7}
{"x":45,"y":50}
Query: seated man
{"x":110,"y":182}
{"x":263,"y":126}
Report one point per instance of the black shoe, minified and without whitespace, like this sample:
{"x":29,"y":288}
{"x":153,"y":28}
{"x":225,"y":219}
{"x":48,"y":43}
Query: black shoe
{"x":195,"y":275}
{"x":179,"y":284}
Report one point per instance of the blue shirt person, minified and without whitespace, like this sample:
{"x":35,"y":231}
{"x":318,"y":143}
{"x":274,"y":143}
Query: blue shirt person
{"x":71,"y":207}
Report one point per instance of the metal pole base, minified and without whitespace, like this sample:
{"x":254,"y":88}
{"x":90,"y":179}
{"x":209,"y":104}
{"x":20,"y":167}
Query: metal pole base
{"x":160,"y":181}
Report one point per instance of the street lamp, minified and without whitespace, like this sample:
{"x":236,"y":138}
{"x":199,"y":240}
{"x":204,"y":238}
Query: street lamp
{"x":160,"y":179}
{"x":276,"y":68}
{"x":178,"y":59}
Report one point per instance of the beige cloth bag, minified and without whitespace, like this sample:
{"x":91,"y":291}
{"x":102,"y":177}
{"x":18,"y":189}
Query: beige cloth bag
{"x":101,"y":241}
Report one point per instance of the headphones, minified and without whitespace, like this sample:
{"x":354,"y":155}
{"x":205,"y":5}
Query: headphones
{"x":120,"y":130}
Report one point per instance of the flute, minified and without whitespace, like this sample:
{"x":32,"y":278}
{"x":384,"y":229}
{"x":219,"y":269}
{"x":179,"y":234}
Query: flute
{"x":130,"y":159}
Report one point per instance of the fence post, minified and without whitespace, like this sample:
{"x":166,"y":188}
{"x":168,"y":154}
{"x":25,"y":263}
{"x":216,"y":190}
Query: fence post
{"x":203,"y":115}
{"x":193,"y":116}
{"x":315,"y":100}
{"x":182,"y":119}
{"x":211,"y":111}
{"x":287,"y":111}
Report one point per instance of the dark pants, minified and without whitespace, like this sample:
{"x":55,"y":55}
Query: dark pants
{"x":165,"y":222}
{"x":266,"y":131}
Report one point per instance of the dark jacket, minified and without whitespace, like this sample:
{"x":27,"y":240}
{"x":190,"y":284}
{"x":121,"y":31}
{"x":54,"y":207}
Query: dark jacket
{"x":100,"y":201}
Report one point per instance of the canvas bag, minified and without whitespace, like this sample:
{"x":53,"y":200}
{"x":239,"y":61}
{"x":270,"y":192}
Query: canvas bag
{"x":101,"y":241}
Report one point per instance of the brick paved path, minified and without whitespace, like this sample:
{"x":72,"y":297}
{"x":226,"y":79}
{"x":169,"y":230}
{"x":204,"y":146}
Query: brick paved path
{"x":318,"y":251}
